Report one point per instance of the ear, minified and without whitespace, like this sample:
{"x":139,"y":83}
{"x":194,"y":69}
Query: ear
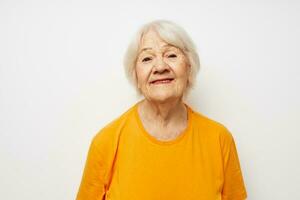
{"x":189,"y":75}
{"x":188,"y":64}
{"x":135,"y":79}
{"x":189,"y":68}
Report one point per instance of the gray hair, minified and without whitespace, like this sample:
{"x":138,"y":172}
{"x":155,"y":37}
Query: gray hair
{"x":170,"y":33}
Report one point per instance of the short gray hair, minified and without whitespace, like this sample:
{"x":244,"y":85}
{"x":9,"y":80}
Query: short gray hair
{"x":170,"y":33}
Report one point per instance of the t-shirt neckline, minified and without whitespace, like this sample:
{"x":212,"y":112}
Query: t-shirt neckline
{"x":161,"y":142}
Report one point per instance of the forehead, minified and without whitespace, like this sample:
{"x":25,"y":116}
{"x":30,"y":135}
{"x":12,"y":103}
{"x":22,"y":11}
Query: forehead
{"x":152,"y":39}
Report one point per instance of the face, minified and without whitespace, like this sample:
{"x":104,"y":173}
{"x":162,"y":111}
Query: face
{"x":162,"y":70}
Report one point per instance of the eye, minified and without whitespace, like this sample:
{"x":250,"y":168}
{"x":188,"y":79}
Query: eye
{"x":172,"y":55}
{"x":146,"y":59}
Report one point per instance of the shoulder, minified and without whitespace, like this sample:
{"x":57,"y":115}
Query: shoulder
{"x":211,"y":127}
{"x":109,"y":134}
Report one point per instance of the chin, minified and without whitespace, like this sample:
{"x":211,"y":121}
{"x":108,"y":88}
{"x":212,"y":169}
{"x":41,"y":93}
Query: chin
{"x":163,"y":96}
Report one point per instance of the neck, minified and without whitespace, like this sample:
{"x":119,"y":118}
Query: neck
{"x":164,"y":113}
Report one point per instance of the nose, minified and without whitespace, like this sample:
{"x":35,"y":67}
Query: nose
{"x":160,"y":66}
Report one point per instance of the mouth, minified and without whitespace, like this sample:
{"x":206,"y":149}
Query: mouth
{"x":162,"y":81}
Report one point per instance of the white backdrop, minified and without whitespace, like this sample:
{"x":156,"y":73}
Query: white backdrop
{"x":61,"y":80}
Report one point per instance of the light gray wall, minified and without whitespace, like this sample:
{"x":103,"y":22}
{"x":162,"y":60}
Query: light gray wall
{"x":61,"y":80}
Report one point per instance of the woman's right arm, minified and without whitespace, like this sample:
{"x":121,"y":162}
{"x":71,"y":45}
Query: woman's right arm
{"x":92,"y":185}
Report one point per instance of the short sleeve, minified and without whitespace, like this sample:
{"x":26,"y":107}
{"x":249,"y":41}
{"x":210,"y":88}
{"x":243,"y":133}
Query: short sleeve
{"x":92,"y":185}
{"x":233,"y":186}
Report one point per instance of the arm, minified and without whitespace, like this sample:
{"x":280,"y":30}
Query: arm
{"x":233,"y":187}
{"x":92,"y":185}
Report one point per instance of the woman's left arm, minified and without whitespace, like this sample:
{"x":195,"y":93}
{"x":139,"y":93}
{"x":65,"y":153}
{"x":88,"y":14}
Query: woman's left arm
{"x":233,"y":186}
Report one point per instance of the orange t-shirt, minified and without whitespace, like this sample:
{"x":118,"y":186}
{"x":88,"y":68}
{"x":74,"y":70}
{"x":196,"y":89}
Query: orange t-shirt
{"x":127,"y":163}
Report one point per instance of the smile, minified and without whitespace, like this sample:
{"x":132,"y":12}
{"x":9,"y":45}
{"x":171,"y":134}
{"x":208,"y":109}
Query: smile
{"x":162,"y":81}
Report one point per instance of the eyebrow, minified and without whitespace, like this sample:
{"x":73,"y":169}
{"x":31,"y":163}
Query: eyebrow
{"x":149,"y":48}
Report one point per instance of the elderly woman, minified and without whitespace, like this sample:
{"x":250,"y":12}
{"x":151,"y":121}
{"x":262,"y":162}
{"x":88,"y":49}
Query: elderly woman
{"x":160,"y":148}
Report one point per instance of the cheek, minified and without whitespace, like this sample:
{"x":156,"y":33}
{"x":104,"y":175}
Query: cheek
{"x":184,"y":69}
{"x":141,"y":74}
{"x":181,"y":70}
